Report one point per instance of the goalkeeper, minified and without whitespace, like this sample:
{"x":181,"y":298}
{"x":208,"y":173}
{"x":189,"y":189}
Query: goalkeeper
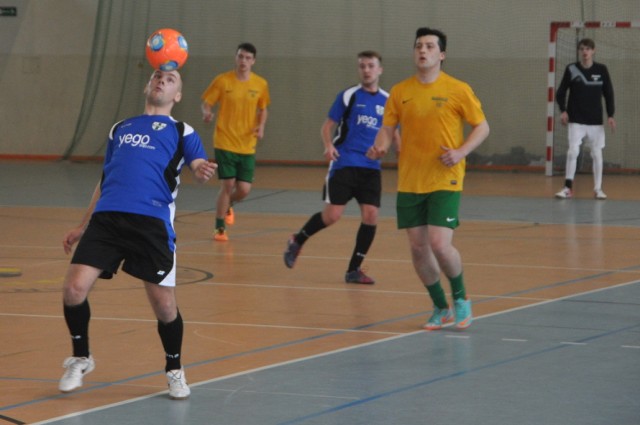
{"x":587,"y":82}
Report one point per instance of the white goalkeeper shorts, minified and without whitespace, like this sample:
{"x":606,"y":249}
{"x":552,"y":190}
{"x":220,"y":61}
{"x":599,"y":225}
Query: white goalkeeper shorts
{"x":593,"y":135}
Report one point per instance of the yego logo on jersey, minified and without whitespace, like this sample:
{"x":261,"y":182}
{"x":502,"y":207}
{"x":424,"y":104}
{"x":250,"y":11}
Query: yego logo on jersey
{"x":367,"y":120}
{"x":141,"y":140}
{"x":135,"y":140}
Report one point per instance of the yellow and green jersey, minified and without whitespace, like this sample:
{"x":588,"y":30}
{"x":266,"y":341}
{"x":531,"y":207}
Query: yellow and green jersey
{"x":430,"y":116}
{"x":239,"y":102}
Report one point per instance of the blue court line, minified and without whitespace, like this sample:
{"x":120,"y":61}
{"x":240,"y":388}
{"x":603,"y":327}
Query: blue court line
{"x":510,"y":294}
{"x":448,"y":377}
{"x":281,"y":345}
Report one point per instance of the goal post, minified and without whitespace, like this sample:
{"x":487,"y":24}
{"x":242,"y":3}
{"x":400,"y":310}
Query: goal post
{"x":618,"y":47}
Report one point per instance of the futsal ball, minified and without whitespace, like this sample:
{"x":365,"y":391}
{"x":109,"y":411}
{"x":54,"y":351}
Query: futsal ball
{"x":167,"y":49}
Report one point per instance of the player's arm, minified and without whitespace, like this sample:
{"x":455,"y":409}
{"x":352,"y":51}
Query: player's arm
{"x":326,"y":133}
{"x":561,"y":96}
{"x":382,"y":143}
{"x":397,"y":140}
{"x":607,"y":92}
{"x":210,"y":98}
{"x":262,"y":121}
{"x":75,"y":234}
{"x":478,"y":134}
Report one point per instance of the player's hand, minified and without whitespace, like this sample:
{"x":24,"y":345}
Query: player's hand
{"x":207,"y":117}
{"x":564,"y":118}
{"x":259,"y":132}
{"x":205,"y":170}
{"x":375,"y":152}
{"x":450,"y":157}
{"x":71,"y":238}
{"x":612,"y":124}
{"x":331,"y":153}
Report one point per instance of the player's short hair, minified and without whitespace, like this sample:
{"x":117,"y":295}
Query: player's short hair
{"x":587,"y":42}
{"x":370,"y":54}
{"x":248,"y":47}
{"x":442,"y":38}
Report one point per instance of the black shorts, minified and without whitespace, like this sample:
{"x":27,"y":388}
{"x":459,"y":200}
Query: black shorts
{"x":363,"y":184}
{"x":145,"y":244}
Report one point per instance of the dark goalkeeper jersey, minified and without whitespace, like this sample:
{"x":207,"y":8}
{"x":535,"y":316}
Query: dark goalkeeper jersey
{"x":142,"y":166}
{"x":586,"y":88}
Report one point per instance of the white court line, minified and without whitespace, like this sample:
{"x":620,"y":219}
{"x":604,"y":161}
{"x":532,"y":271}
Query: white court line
{"x":406,"y":261}
{"x":328,"y":353}
{"x":369,"y":259}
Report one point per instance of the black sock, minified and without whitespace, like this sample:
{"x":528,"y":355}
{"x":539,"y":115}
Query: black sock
{"x":313,"y":226}
{"x":364,"y":239}
{"x":171,"y":337}
{"x":77,"y":318}
{"x":568,"y":183}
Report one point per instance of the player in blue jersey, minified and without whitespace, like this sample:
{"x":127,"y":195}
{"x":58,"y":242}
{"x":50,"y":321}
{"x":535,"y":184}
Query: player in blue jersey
{"x":347,"y":133}
{"x":130,"y":221}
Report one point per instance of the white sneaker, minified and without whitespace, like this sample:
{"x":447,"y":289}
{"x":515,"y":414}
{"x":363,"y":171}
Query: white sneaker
{"x":565,"y":193}
{"x":76,"y":367}
{"x":178,"y":388}
{"x":599,"y":194}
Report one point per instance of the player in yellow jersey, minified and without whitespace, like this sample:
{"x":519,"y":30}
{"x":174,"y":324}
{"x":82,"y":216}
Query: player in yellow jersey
{"x":430,"y":108}
{"x":242,"y":98}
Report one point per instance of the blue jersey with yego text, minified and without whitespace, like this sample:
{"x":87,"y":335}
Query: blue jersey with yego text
{"x":142,"y":165}
{"x":359,"y":117}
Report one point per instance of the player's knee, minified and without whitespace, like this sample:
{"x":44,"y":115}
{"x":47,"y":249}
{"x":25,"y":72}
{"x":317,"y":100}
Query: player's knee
{"x":439,"y":250}
{"x":74,"y":292}
{"x":370,"y":217}
{"x":596,"y":153}
{"x":166,"y":310}
{"x":441,"y":247}
{"x":331,"y":217}
{"x":241,"y":191}
{"x":419,"y":250}
{"x":240,"y":194}
{"x":572,"y":153}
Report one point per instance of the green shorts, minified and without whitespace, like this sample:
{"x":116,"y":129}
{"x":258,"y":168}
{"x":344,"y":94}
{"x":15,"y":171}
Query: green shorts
{"x":438,"y":208}
{"x":233,"y":165}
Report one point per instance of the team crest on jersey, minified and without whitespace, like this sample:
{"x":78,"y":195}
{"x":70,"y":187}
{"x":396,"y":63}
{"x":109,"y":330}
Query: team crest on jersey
{"x":157,"y":126}
{"x":379,"y":109}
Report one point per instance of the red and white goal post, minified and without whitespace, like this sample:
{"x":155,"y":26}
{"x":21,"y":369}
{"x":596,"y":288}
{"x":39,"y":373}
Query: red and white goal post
{"x":618,"y":47}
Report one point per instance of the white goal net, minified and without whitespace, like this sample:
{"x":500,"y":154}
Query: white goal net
{"x":618,"y":47}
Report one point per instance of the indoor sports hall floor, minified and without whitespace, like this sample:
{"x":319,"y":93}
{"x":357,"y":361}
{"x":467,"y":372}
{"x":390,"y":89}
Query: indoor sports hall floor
{"x":555,"y":286}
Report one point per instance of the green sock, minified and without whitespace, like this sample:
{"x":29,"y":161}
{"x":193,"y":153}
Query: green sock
{"x":220,"y":223}
{"x":457,"y":287}
{"x":437,"y":295}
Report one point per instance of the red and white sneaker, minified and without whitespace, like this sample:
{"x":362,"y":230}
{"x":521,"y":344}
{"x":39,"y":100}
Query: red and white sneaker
{"x":599,"y":194}
{"x":565,"y":193}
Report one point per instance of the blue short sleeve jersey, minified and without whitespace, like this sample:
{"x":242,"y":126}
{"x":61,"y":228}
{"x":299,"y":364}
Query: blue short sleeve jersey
{"x":141,"y":172}
{"x":359,"y":117}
